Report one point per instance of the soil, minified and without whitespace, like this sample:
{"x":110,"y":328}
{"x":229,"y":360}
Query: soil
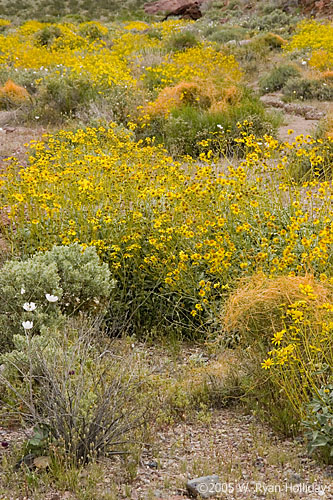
{"x":250,"y":460}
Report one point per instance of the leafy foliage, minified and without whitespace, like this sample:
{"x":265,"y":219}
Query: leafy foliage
{"x":319,"y":423}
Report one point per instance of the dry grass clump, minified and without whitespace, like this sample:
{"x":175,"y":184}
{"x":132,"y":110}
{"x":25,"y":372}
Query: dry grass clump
{"x":231,"y":96}
{"x":197,"y":384}
{"x":198,"y":93}
{"x":184,"y":93}
{"x":12,"y":94}
{"x":255,"y":309}
{"x":327,"y":76}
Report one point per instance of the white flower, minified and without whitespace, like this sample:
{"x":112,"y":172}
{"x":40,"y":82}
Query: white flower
{"x":22,"y":291}
{"x":51,"y":298}
{"x":29,"y":306}
{"x":27,"y":325}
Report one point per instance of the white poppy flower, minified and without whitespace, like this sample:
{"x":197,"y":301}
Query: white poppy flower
{"x":27,"y":325}
{"x":51,"y":298}
{"x":29,"y":306}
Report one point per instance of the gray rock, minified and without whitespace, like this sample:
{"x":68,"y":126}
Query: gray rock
{"x":244,"y":42}
{"x":238,"y":42}
{"x":152,"y":464}
{"x":204,"y":487}
{"x":295,"y":478}
{"x":329,"y":471}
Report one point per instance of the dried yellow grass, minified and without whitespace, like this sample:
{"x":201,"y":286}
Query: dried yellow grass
{"x":14,"y":93}
{"x":231,"y":96}
{"x":173,"y":97}
{"x":201,"y":93}
{"x":255,"y":308}
{"x":327,"y":75}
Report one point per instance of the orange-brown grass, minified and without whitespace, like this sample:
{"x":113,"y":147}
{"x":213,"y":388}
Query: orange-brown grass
{"x":231,"y":96}
{"x":184,"y":93}
{"x":204,"y":94}
{"x":275,"y":40}
{"x":327,"y":75}
{"x":13,"y":93}
{"x":255,"y":309}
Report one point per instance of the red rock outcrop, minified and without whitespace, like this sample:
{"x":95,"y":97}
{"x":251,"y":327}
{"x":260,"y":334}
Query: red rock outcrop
{"x":168,"y":6}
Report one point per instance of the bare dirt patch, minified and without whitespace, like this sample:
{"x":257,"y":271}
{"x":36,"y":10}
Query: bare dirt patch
{"x":13,"y":141}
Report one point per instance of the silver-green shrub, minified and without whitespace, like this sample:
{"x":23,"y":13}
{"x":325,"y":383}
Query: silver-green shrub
{"x":43,"y":289}
{"x":24,"y":285}
{"x":85,"y":281}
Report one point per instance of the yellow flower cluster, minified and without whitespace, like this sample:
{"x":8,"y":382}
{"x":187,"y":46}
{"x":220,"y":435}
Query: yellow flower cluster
{"x":4,"y":22}
{"x":317,"y":38}
{"x":67,"y":51}
{"x":201,"y":62}
{"x":110,"y":56}
{"x":189,"y":228}
{"x":302,"y":358}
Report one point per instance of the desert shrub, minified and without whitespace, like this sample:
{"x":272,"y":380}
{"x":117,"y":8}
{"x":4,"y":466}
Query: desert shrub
{"x":92,"y":30}
{"x":278,"y":77}
{"x":289,"y":316}
{"x":303,"y":88}
{"x":4,"y":24}
{"x":202,"y":62}
{"x":174,"y":233}
{"x":61,"y":97}
{"x":271,"y":40}
{"x":315,"y":38}
{"x":226,"y":33}
{"x":36,"y":291}
{"x":301,"y":358}
{"x":317,"y":160}
{"x":84,"y":279}
{"x":182,"y":41}
{"x":86,"y":402}
{"x":115,"y":105}
{"x":325,"y":128}
{"x":26,"y":79}
{"x":23,"y":285}
{"x":187,"y":126}
{"x":318,"y":424}
{"x":273,"y":20}
{"x":13,"y":95}
{"x":327,"y":76}
{"x":254,"y":309}
{"x":47,"y":35}
{"x":194,"y":94}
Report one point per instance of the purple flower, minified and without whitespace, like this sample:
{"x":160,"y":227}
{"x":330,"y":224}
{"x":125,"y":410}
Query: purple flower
{"x":4,"y":444}
{"x":72,"y":372}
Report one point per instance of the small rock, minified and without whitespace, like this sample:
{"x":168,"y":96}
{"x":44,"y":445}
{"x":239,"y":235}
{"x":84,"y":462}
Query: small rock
{"x":244,"y":42}
{"x":259,"y":463}
{"x":295,"y":478}
{"x":329,"y":471}
{"x":204,"y":487}
{"x":8,"y":130}
{"x":314,"y":115}
{"x":152,"y":464}
{"x":272,"y":100}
